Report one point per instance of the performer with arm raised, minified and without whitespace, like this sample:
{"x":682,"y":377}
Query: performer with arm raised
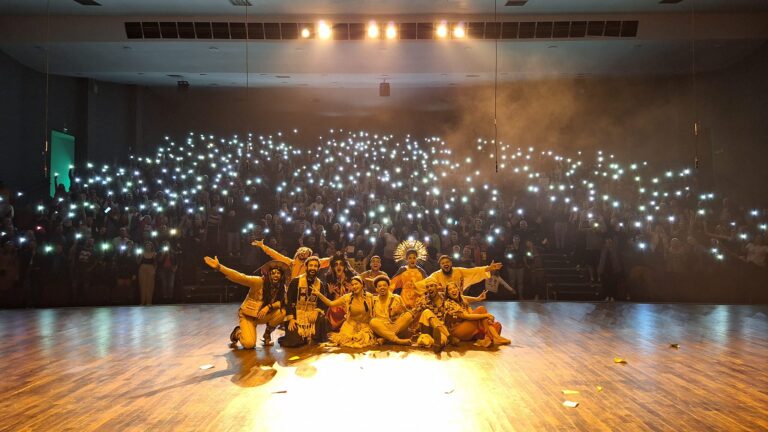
{"x":262,"y":305}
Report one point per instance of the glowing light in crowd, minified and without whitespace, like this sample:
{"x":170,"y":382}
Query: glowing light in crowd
{"x":305,"y":33}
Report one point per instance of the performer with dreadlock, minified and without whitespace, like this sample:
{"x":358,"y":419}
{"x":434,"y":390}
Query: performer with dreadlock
{"x":466,"y":324}
{"x":358,"y":306}
{"x":262,"y":305}
{"x":339,"y":280}
{"x":297,"y":263}
{"x":305,"y":319}
{"x":404,"y":281}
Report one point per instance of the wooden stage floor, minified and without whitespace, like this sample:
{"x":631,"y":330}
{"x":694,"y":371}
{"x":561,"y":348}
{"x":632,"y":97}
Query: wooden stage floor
{"x":138,"y":368}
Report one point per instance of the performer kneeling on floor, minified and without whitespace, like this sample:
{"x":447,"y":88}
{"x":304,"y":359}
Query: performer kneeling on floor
{"x":305,"y":318}
{"x":262,"y":305}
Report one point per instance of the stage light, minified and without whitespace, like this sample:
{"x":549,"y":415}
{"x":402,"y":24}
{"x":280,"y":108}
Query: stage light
{"x":442,"y":30}
{"x":373,"y":30}
{"x":391,"y":31}
{"x":324,"y":30}
{"x":305,"y":33}
{"x":459,"y":32}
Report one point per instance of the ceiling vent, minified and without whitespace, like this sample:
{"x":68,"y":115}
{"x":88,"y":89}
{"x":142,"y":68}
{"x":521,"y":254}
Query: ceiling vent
{"x":88,"y":2}
{"x":670,"y":1}
{"x":240,"y":3}
{"x":516,"y":3}
{"x":356,"y":31}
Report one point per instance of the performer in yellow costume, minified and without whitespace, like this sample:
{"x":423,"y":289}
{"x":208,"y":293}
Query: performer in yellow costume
{"x":404,"y":282}
{"x":262,"y":305}
{"x":297,"y":264}
{"x":462,"y":277}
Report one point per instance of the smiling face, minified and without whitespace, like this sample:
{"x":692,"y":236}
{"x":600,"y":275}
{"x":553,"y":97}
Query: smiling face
{"x":303,"y":254}
{"x":432,"y":287}
{"x":356,"y":286}
{"x":453,"y":290}
{"x":446,"y":265}
{"x":275,"y":275}
{"x":382,"y":287}
{"x":312,"y":267}
{"x":338,"y":267}
{"x":375,"y":264}
{"x":410,"y":259}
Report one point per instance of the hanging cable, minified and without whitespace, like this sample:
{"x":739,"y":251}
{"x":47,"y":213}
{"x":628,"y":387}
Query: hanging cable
{"x":47,"y":85}
{"x":247,"y":69}
{"x":496,"y":86}
{"x":696,"y":161}
{"x":247,"y":76}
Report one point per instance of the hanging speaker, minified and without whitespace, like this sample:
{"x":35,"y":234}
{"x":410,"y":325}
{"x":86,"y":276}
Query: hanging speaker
{"x":384,"y":89}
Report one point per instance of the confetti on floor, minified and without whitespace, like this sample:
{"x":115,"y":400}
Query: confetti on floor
{"x":206,"y":366}
{"x":570,"y":404}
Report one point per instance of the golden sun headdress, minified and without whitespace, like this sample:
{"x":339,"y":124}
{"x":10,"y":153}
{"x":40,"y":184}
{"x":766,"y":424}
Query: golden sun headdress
{"x":407,"y":245}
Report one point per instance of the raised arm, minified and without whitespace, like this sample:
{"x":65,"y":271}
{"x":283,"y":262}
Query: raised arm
{"x":232,"y":275}
{"x":477,"y":299}
{"x":328,"y":302}
{"x":271,"y":252}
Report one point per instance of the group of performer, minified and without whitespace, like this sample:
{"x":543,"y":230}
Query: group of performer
{"x":362,"y":310}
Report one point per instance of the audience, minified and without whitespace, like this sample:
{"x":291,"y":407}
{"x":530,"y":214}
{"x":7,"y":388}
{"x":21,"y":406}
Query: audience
{"x":361,"y":194}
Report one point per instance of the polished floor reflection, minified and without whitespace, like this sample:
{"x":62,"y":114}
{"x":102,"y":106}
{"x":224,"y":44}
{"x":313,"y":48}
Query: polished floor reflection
{"x":133,"y":368}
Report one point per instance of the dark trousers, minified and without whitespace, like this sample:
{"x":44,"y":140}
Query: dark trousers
{"x":292,"y":338}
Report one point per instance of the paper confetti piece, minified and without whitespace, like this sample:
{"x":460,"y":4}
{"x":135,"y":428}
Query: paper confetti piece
{"x":599,"y":388}
{"x":674,"y":345}
{"x":619,"y":360}
{"x":294,"y":358}
{"x":206,"y":366}
{"x":570,"y":392}
{"x":280,"y":391}
{"x":449,"y":391}
{"x":570,"y":404}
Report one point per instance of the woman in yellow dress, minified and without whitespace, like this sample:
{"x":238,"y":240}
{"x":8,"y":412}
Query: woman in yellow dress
{"x":466,"y":324}
{"x":356,"y":331}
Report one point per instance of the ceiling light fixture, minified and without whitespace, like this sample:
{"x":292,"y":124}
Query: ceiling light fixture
{"x":373,"y":30}
{"x":324,"y":30}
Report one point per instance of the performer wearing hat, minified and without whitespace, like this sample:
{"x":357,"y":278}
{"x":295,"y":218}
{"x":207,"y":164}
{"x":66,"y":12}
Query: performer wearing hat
{"x":390,"y":316}
{"x":297,"y":263}
{"x":262,"y":305}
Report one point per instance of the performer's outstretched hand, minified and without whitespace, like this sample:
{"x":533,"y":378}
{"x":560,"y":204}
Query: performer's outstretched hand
{"x":493,"y":266}
{"x":315,"y":290}
{"x":292,"y":325}
{"x":481,"y":297}
{"x":212,"y":262}
{"x":257,"y":243}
